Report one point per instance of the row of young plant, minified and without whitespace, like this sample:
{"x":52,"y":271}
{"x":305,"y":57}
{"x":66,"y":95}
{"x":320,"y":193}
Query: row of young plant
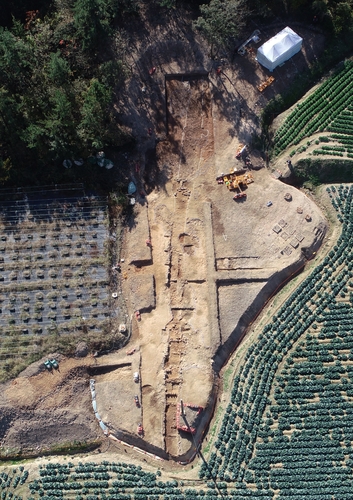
{"x":72,"y":281}
{"x":251,"y":394}
{"x":329,"y":152}
{"x":52,"y":248}
{"x":10,"y":481}
{"x":47,"y":250}
{"x":321,"y":108}
{"x":25,"y":231}
{"x":113,"y":481}
{"x":342,"y":139}
{"x":308,"y":431}
{"x":81,"y":240}
{"x":50,"y":208}
{"x":334,"y":150}
{"x":342,"y":124}
{"x":41,"y":273}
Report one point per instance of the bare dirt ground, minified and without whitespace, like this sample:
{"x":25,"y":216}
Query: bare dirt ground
{"x":213,"y":259}
{"x":37,"y":411}
{"x":211,"y":263}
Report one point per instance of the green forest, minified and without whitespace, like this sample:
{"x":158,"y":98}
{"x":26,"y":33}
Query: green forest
{"x":63,"y":68}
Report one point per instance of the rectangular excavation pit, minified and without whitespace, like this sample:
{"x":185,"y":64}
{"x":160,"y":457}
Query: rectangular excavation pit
{"x":234,"y":263}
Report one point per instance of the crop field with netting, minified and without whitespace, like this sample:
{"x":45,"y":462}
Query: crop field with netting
{"x":328,"y":108}
{"x":287,"y":432}
{"x":54,"y":261}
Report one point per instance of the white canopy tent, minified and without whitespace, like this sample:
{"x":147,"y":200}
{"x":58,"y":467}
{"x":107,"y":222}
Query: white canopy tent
{"x":279,"y":48}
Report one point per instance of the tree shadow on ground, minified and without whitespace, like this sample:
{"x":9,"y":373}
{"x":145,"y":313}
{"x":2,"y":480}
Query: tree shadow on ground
{"x":154,"y":176}
{"x":234,"y":108}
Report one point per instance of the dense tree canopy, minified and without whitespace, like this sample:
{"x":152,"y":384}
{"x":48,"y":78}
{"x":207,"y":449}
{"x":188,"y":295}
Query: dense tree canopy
{"x":61,"y":72}
{"x":56,"y":92}
{"x":221,"y":20}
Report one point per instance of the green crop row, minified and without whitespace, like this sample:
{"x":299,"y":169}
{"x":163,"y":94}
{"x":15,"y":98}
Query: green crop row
{"x":328,"y":103}
{"x":317,"y":152}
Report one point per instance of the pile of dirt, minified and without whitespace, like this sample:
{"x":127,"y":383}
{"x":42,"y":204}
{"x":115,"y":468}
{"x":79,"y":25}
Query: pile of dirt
{"x":42,"y":409}
{"x":82,"y":350}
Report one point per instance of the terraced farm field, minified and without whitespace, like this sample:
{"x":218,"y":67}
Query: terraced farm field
{"x":328,"y":109}
{"x":287,"y":432}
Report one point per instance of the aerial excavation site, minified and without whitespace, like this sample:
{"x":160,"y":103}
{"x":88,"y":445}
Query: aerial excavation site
{"x":175,"y":321}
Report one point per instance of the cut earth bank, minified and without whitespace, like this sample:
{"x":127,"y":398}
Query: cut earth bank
{"x":210,"y":265}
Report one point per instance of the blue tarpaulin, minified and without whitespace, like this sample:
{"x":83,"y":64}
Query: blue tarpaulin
{"x":131,"y":188}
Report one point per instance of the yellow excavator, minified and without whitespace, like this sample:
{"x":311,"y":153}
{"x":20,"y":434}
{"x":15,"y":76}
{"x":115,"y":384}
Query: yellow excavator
{"x":235,"y":180}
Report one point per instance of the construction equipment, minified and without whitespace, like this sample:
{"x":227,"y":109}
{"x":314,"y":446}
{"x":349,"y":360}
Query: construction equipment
{"x":239,"y":149}
{"x":239,"y":195}
{"x":253,"y":38}
{"x":265,"y":84}
{"x":50,"y":364}
{"x":234,"y":181}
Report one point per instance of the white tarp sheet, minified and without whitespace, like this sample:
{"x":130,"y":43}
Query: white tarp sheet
{"x":279,"y":49}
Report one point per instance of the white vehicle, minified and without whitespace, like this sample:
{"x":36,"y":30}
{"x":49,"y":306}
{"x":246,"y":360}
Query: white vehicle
{"x":136,"y":377}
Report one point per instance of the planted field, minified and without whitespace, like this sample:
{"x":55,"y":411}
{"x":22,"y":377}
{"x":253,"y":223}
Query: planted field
{"x":11,"y":483}
{"x":329,"y":108}
{"x":115,"y":481}
{"x":53,"y":267}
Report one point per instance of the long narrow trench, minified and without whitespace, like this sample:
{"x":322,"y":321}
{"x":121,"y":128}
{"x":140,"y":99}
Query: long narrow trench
{"x":173,"y":381}
{"x":190,"y":132}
